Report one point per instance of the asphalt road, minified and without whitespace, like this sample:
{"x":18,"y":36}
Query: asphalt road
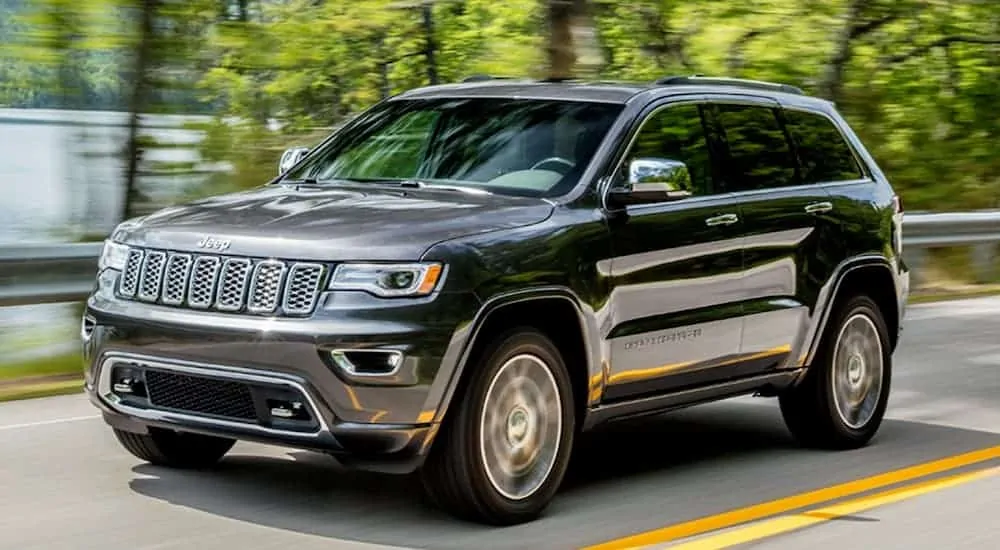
{"x":65,"y":483}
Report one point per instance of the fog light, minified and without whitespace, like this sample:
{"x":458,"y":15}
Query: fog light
{"x":291,"y":410}
{"x":128,"y":381}
{"x":126,"y":385}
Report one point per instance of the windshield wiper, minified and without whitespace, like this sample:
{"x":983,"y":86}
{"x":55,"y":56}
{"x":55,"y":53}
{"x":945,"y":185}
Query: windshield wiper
{"x":408,"y":183}
{"x":303,"y":181}
{"x":418,"y":184}
{"x":311,"y":180}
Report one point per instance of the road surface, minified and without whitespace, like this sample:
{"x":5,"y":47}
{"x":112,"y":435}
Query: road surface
{"x":706,"y":477}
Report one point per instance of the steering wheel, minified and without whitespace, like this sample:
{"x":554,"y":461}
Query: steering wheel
{"x":568,"y":165}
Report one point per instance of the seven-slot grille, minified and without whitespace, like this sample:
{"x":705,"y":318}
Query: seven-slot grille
{"x":221,"y":283}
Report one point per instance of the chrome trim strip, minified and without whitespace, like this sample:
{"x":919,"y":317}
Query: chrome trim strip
{"x":189,"y":367}
{"x":339,"y":357}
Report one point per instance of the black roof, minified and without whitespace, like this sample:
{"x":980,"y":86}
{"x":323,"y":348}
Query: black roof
{"x":604,"y":91}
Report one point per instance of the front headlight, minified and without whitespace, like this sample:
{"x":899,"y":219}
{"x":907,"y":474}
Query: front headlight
{"x":113,"y":256}
{"x":388,"y":280}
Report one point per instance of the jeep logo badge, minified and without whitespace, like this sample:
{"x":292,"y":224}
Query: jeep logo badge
{"x":214,"y":244}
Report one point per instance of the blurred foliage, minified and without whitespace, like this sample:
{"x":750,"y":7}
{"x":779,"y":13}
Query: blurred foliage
{"x":918,"y":79}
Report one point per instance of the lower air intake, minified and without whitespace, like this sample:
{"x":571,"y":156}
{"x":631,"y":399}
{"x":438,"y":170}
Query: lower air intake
{"x":200,"y":395}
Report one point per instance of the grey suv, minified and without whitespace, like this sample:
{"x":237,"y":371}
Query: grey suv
{"x":465,"y":277}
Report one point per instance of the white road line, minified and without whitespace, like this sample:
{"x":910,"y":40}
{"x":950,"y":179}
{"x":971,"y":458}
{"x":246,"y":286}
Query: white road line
{"x":47,"y":422}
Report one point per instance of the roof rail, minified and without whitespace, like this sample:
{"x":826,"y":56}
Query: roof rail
{"x":727,"y":81}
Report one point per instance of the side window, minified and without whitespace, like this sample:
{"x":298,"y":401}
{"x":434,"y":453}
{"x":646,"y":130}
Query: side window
{"x":759,"y":154}
{"x":676,"y":133}
{"x":823,"y":152}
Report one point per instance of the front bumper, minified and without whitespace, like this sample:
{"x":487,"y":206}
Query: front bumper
{"x":383,"y":421}
{"x":398,"y":448}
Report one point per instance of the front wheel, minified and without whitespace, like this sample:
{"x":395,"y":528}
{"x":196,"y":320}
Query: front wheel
{"x":842,"y":400}
{"x":502,"y":457}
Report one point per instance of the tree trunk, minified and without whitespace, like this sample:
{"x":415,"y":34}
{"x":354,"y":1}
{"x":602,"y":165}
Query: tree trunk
{"x":560,"y":50}
{"x":832,"y":82}
{"x":430,"y":46}
{"x":137,"y":102}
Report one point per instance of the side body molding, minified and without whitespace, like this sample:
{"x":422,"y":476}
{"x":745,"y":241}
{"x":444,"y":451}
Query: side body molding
{"x":460,"y":347}
{"x":828,"y":295}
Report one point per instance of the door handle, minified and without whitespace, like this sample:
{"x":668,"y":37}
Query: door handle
{"x":724,"y":219}
{"x":818,"y":207}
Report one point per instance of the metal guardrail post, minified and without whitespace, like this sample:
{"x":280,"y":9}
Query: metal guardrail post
{"x":984,"y":262}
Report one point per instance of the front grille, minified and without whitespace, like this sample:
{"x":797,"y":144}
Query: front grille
{"x":200,"y":395}
{"x":221,"y":283}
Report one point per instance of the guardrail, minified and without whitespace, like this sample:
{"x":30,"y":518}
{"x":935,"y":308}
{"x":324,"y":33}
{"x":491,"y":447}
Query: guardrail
{"x":47,"y":273}
{"x":64,"y":272}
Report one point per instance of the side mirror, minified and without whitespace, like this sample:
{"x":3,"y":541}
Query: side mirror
{"x":653,"y":180}
{"x":290,"y":157}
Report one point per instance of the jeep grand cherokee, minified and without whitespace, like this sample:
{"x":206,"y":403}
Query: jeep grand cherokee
{"x":466,"y":277}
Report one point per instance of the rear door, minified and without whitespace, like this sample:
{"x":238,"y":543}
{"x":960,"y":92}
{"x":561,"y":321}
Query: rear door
{"x":785,"y":223}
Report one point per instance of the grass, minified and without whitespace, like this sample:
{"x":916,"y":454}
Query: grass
{"x":941,"y":296}
{"x":57,"y":366}
{"x":29,"y":390}
{"x":43,"y":377}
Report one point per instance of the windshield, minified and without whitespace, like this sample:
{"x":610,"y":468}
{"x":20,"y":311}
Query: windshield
{"x":522,"y":147}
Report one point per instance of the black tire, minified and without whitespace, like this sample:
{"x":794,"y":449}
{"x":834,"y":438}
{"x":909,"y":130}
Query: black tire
{"x":456,"y":477}
{"x":175,"y":449}
{"x":810,"y":409}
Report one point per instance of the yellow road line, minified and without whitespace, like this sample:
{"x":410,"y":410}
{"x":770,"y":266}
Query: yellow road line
{"x":802,"y":500}
{"x":786,"y":524}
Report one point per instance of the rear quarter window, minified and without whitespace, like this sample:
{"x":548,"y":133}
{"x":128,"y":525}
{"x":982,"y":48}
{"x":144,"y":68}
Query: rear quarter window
{"x":824,"y":154}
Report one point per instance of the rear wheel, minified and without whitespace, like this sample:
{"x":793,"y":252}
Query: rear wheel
{"x":842,"y":400}
{"x":502,"y":456}
{"x":175,"y":449}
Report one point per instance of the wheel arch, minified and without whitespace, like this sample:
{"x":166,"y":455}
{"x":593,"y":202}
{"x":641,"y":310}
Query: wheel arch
{"x":871,"y":274}
{"x":549,"y":306}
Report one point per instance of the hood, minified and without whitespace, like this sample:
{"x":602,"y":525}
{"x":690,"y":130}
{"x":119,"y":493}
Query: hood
{"x":331,"y":223}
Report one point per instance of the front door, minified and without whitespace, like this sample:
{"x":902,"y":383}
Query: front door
{"x":674,"y":311}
